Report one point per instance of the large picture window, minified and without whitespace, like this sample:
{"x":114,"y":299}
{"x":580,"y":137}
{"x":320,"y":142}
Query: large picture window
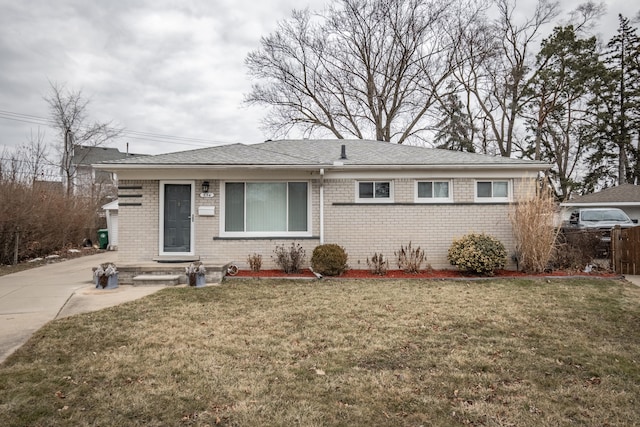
{"x":266,"y":208}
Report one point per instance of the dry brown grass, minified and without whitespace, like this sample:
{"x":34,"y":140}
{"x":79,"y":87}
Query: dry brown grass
{"x":532,"y":219}
{"x":493,"y":353}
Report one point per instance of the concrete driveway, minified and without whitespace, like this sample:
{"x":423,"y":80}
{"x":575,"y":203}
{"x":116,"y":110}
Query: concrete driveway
{"x":29,"y":299}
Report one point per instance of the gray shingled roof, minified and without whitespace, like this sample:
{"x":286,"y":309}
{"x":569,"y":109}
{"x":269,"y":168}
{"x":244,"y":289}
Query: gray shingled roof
{"x":85,"y":155}
{"x":324,"y":153}
{"x":625,"y":193}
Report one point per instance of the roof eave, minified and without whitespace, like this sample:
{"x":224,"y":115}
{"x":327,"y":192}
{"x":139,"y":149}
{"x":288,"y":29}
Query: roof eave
{"x":342,"y":167}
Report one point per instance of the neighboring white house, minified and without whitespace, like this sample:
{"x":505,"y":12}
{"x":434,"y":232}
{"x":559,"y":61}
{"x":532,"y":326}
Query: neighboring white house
{"x":221,"y":204}
{"x":625,"y":197}
{"x":85,"y":178}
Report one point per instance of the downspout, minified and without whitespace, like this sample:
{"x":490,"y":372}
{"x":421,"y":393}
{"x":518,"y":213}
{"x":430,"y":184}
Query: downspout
{"x":321,"y":206}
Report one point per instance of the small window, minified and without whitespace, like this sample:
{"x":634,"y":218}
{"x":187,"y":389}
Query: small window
{"x":374,"y":191}
{"x":433,"y":191}
{"x":492,"y":191}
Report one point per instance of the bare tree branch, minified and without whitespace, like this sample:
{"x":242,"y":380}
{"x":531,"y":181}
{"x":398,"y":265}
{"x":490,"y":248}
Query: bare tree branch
{"x":367,"y":69}
{"x":68,"y":110}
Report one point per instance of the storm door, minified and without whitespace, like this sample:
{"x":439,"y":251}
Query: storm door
{"x":177,"y":219}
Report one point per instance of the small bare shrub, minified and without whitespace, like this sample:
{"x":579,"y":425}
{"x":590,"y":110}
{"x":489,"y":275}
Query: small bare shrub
{"x":575,"y":249}
{"x":378,"y":265}
{"x":533,"y":229}
{"x":255,"y":262}
{"x":289,"y":260}
{"x":409,"y":259}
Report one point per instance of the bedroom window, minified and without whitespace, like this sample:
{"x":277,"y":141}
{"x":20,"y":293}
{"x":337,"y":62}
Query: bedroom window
{"x":266,"y":208}
{"x":492,"y":191}
{"x":433,"y":191}
{"x":374,"y":191}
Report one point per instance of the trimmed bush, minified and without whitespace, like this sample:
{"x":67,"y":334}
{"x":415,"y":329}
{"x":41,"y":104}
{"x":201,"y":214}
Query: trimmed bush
{"x":478,"y":253}
{"x":329,"y":260}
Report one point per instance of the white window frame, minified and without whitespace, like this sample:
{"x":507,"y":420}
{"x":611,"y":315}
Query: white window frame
{"x":493,"y":199}
{"x":266,"y":234}
{"x":448,"y":199}
{"x":374,"y":199}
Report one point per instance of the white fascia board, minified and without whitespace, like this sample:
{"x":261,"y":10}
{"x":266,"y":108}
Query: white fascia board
{"x":219,"y":174}
{"x":180,"y":166}
{"x":149,"y":171}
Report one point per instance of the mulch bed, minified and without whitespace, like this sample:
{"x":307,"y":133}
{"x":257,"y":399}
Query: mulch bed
{"x":399,"y":274}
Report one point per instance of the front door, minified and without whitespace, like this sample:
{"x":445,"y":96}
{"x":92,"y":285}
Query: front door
{"x":177,"y":232}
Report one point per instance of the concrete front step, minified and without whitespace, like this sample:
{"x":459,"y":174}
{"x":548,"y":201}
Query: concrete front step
{"x":156,"y":279}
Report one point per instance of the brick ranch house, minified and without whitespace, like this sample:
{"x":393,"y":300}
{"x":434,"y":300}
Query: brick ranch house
{"x":221,"y":204}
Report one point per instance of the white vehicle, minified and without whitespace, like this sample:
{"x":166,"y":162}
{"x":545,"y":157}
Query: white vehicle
{"x":603,"y":219}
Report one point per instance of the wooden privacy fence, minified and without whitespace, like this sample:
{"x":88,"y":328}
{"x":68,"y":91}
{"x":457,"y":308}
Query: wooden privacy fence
{"x":625,"y":250}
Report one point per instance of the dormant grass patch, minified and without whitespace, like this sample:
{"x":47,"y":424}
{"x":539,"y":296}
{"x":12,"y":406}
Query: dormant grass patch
{"x":269,"y":352}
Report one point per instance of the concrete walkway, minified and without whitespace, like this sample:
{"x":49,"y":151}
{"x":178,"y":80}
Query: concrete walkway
{"x":31,"y":298}
{"x":633,"y":279}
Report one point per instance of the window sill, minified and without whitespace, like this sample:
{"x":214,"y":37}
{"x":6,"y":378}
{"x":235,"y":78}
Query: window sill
{"x":267,"y":238}
{"x":423,"y":204}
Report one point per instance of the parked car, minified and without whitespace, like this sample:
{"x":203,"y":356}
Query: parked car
{"x":596,"y":220}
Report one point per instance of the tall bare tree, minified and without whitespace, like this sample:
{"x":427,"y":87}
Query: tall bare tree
{"x":363,"y":69}
{"x":34,"y":156}
{"x":68,"y":112}
{"x":497,"y":69}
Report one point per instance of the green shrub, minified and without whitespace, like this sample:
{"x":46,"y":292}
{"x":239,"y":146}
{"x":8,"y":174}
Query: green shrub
{"x":477,"y":253}
{"x":329,"y":260}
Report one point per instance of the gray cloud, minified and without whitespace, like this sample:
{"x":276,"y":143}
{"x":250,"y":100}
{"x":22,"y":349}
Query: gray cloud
{"x":157,"y":66}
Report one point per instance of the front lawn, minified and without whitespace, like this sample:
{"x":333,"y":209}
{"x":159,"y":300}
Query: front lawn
{"x":266,"y":352}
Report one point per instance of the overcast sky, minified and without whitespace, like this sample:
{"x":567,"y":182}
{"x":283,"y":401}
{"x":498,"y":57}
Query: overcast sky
{"x":169,"y":68}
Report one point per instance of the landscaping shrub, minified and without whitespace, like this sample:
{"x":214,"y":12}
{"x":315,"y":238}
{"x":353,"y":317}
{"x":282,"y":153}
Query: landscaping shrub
{"x":410,"y":260}
{"x":255,"y":262}
{"x":534,"y":231}
{"x":576,"y":248}
{"x":329,"y":260}
{"x":378,"y":265}
{"x":290,"y":260}
{"x":43,"y":221}
{"x":477,"y":253}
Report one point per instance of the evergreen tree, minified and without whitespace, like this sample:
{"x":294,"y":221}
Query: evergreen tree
{"x":616,"y":105}
{"x":455,"y":129}
{"x":569,"y":66}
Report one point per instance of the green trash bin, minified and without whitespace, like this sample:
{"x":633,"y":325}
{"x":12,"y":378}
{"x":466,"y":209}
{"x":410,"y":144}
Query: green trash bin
{"x":103,"y":238}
